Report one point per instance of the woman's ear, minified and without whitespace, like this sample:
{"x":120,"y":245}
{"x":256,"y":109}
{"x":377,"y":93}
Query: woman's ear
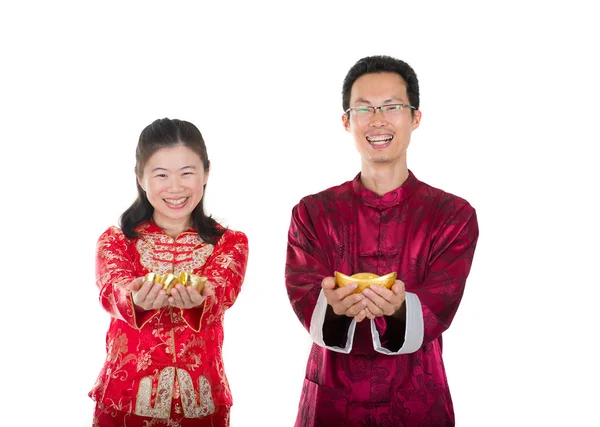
{"x":139,"y":179}
{"x":206,"y":173}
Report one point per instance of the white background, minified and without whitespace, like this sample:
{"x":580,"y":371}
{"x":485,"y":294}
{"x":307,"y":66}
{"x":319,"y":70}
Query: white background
{"x":509,"y":94}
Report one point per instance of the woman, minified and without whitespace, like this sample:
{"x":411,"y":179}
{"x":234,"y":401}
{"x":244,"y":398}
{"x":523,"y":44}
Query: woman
{"x":164,"y":363}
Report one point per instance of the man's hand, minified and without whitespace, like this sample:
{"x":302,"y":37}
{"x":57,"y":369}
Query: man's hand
{"x":148,"y":295}
{"x":342,"y":301}
{"x":381,"y":301}
{"x":188,"y":296}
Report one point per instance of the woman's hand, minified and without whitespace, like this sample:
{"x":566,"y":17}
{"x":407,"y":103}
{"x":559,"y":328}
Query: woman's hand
{"x":188,"y":296}
{"x":148,"y":295}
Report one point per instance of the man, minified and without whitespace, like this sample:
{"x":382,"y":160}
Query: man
{"x":377,"y":355}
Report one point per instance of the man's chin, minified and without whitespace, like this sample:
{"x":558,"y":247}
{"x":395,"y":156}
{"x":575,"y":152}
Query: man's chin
{"x":380,"y":159}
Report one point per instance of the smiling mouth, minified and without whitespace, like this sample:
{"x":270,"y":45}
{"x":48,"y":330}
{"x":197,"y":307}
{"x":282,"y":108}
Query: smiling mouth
{"x":176,"y":202}
{"x":379,"y":140}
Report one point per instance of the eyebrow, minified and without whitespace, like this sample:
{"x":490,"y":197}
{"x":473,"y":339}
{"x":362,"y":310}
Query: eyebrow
{"x":165,"y":169}
{"x":387,"y":101}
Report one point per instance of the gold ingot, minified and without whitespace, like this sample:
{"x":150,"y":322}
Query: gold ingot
{"x":365,"y":280}
{"x":154,"y":278}
{"x":197,"y":282}
{"x":183,"y":278}
{"x":191,"y":279}
{"x":169,"y":281}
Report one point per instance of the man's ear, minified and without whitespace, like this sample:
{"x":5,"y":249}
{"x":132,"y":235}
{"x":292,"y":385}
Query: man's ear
{"x":416,"y":119}
{"x":346,"y":122}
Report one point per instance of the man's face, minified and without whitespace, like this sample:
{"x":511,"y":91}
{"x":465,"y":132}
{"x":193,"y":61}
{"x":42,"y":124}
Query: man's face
{"x":381,"y":138}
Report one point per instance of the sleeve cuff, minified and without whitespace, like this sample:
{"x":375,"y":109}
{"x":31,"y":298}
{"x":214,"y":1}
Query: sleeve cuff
{"x":414,"y":329}
{"x":193,"y":316}
{"x":316,"y":327}
{"x":140,"y":318}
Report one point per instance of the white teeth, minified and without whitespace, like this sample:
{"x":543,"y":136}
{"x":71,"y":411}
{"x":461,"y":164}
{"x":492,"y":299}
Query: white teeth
{"x":379,"y":140}
{"x":176,"y":202}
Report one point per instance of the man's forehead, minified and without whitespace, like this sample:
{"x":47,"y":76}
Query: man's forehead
{"x":389,"y":86}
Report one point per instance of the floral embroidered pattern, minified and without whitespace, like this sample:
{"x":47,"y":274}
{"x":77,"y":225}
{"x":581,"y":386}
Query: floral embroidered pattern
{"x":164,"y":395}
{"x":191,"y":408}
{"x":144,"y":360}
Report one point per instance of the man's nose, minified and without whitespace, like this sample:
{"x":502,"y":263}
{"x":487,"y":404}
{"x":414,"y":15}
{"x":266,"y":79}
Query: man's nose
{"x":377,"y":118}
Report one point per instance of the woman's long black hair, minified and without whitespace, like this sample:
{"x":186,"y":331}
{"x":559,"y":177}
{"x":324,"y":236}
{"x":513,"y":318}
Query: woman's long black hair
{"x":160,"y":134}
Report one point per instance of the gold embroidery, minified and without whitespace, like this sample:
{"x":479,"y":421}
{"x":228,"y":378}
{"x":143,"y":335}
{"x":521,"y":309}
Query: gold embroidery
{"x":118,"y":357}
{"x":161,"y":254}
{"x":189,"y":401}
{"x":166,"y":390}
{"x":173,"y":345}
{"x":164,"y":395}
{"x":144,"y":360}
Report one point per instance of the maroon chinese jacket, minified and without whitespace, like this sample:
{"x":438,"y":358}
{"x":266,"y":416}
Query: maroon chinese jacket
{"x":387,"y":371}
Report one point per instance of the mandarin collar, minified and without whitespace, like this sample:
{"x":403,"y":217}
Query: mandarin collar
{"x":389,"y":199}
{"x":150,"y":227}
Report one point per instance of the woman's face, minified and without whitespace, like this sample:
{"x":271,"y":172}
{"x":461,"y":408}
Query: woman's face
{"x":174,"y":180}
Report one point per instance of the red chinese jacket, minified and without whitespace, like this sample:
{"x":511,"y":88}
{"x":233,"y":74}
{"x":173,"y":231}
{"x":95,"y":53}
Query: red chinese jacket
{"x":166,"y":362}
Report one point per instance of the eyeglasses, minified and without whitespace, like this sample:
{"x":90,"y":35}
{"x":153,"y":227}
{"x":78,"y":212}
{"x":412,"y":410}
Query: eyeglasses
{"x":389,"y":110}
